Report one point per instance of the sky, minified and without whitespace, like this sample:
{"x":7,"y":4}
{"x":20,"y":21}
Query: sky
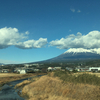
{"x":36,"y":30}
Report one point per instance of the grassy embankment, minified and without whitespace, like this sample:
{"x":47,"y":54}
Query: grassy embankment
{"x":8,"y":77}
{"x":61,"y":85}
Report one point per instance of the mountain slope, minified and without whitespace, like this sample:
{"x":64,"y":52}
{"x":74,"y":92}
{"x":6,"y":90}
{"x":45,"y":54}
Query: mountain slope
{"x":77,"y":54}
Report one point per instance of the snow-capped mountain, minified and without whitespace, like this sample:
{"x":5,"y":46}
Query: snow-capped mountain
{"x":77,"y":54}
{"x":81,"y":50}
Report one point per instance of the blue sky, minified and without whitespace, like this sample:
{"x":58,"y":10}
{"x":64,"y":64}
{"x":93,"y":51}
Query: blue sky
{"x":35,"y":30}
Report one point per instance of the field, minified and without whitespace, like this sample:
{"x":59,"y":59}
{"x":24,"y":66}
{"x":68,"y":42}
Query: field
{"x":9,"y":74}
{"x":55,"y":87}
{"x":8,"y":77}
{"x":97,"y":74}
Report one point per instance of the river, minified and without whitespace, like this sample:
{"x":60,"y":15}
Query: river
{"x":9,"y":93}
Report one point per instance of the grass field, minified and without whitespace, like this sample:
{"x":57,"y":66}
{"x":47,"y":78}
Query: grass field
{"x":57,"y":85}
{"x":55,"y":88}
{"x":8,"y":77}
{"x":9,"y":74}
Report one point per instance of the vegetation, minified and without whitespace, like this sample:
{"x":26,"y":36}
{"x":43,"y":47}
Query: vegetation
{"x":53,"y":88}
{"x":22,"y":84}
{"x":81,"y":78}
{"x":8,"y":77}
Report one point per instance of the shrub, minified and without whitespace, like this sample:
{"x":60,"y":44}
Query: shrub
{"x":50,"y":88}
{"x":81,"y":78}
{"x":74,"y":71}
{"x":88,"y":79}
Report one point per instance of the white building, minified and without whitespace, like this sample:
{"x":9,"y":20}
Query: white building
{"x":36,"y":70}
{"x":96,"y":69}
{"x":23,"y":71}
{"x":50,"y":68}
{"x":70,"y":69}
{"x":57,"y":68}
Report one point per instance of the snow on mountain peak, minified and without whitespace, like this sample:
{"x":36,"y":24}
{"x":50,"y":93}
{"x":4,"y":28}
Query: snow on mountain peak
{"x":81,"y":50}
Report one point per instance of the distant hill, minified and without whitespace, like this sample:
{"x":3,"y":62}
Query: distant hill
{"x":76,"y":55}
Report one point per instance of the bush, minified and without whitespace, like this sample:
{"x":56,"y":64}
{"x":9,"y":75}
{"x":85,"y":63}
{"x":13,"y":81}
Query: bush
{"x":88,"y":79}
{"x":61,"y":73}
{"x":74,"y":71}
{"x":81,"y":78}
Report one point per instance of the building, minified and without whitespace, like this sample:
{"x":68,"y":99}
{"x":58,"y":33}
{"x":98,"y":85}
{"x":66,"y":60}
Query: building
{"x":82,"y":69}
{"x":94,"y":69}
{"x":69,"y":69}
{"x":5,"y":70}
{"x":23,"y":71}
{"x":50,"y":68}
{"x":57,"y":68}
{"x":36,"y":70}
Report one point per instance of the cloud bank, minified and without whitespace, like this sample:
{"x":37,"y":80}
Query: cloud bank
{"x":11,"y":36}
{"x":89,"y":41}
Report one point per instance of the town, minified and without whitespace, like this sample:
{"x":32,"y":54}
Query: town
{"x":37,"y":67}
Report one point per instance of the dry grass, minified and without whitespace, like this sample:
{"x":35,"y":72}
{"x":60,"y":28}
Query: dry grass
{"x":78,"y":73}
{"x":22,"y":83}
{"x":25,"y":82}
{"x":9,"y":74}
{"x":49,"y":88}
{"x":45,"y":97}
{"x":8,"y":77}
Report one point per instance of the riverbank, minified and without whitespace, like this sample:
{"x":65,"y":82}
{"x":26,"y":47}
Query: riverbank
{"x":8,"y":77}
{"x":12,"y":90}
{"x":59,"y":86}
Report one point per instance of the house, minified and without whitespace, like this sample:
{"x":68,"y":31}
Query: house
{"x":69,"y":69}
{"x":57,"y":68}
{"x":82,"y":69}
{"x":95,"y":69}
{"x":29,"y":70}
{"x":36,"y":70}
{"x":26,"y":65}
{"x":5,"y":70}
{"x":23,"y":71}
{"x":17,"y":70}
{"x":50,"y":68}
{"x":78,"y":69}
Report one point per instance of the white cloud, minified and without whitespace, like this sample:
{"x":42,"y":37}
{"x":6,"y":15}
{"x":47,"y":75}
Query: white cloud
{"x":73,"y":10}
{"x":89,"y":41}
{"x":78,"y":11}
{"x":32,"y":43}
{"x":11,"y":36}
{"x":26,"y":32}
{"x":70,"y":30}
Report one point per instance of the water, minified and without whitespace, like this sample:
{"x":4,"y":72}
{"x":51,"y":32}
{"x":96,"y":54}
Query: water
{"x":9,"y":93}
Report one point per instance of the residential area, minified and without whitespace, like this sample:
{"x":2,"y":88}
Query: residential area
{"x":32,"y":68}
